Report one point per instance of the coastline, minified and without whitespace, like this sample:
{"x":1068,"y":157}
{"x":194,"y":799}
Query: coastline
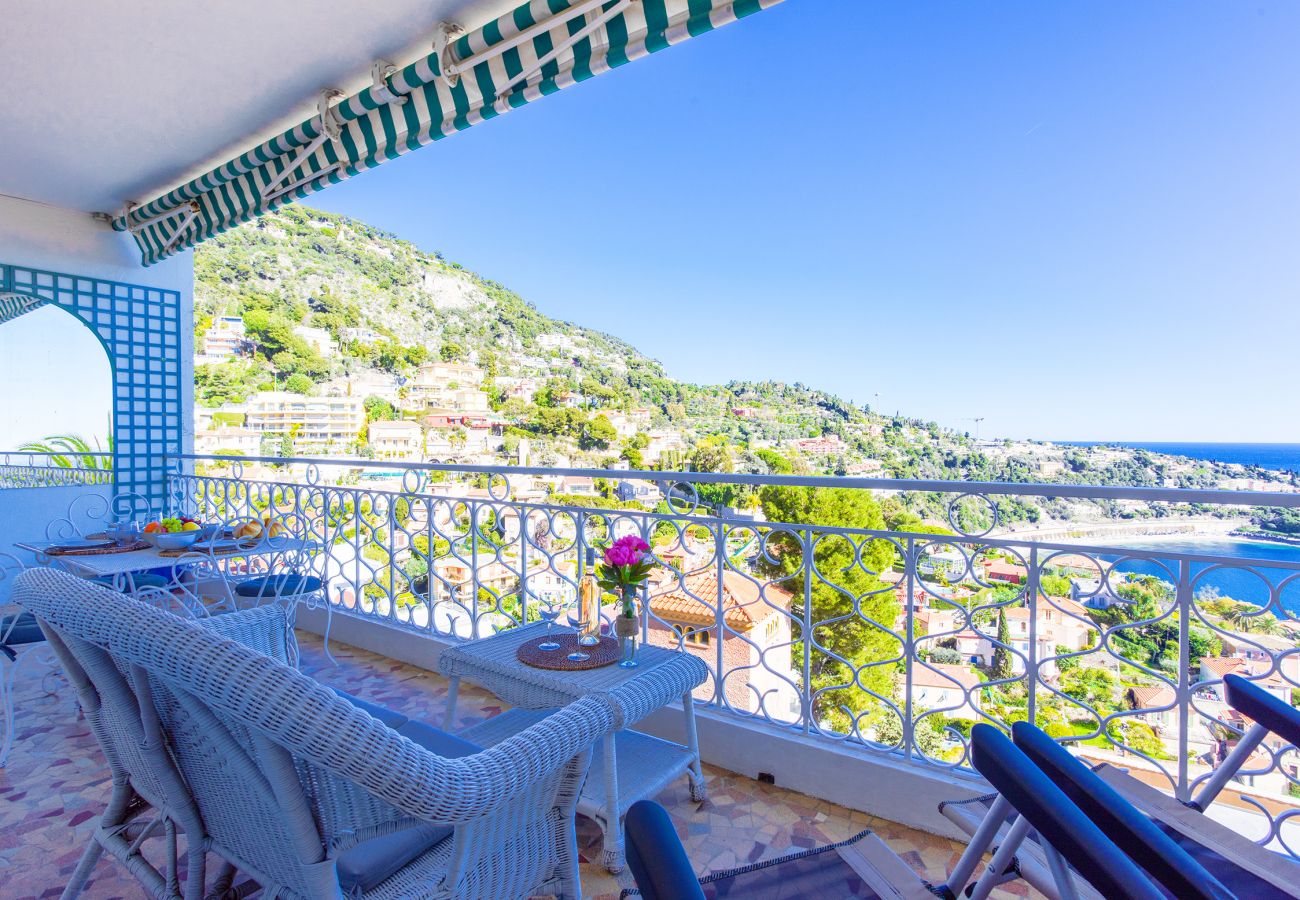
{"x":1265,"y":537}
{"x":1150,"y":531}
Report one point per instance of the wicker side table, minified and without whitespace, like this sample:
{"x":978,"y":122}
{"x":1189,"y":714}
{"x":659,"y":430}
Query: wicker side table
{"x":633,"y":765}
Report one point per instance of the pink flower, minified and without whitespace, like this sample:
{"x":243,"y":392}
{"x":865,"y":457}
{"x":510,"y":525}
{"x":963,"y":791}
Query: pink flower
{"x":626,"y":551}
{"x":633,"y":542}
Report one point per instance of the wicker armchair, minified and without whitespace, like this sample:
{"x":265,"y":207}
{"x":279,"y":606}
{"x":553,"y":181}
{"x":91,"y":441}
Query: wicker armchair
{"x":287,"y":782}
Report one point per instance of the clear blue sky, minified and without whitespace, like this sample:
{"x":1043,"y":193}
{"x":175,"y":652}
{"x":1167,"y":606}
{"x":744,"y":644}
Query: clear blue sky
{"x":1078,"y":220}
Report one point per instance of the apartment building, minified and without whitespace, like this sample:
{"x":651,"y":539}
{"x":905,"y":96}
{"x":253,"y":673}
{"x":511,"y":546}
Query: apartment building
{"x":315,"y":422}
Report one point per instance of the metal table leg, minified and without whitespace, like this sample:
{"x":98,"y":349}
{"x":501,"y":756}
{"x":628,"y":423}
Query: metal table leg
{"x":613,"y":856}
{"x":699,"y":789}
{"x":449,"y":717}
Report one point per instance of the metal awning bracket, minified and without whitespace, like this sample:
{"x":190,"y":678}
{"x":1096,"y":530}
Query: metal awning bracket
{"x":381,"y":88}
{"x":443,"y":38}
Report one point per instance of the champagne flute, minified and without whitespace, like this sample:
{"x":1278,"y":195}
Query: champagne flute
{"x":577,"y":622}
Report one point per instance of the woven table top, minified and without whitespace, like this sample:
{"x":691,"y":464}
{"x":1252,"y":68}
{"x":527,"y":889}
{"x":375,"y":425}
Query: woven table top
{"x":530,"y":653}
{"x":660,"y":677}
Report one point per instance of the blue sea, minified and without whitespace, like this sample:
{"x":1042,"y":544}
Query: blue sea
{"x":1282,"y":457}
{"x":1251,"y":585}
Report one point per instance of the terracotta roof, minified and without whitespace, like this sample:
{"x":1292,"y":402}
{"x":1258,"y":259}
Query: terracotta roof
{"x":997,"y":566}
{"x":1218,"y":666}
{"x":945,"y":676}
{"x":1221,"y":665}
{"x":745,"y":602}
{"x":1151,"y":696}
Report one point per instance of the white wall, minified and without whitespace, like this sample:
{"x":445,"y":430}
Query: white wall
{"x":63,"y":240}
{"x":24,"y":513}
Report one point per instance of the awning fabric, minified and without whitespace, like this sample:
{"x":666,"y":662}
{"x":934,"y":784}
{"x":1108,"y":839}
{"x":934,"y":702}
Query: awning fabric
{"x":14,"y":305}
{"x":418,"y":104}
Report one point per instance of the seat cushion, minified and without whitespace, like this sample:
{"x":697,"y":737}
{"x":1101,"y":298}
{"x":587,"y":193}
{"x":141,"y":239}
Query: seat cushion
{"x":24,"y":631}
{"x":138,"y":580}
{"x":390,"y":718}
{"x":366,"y":865}
{"x":279,"y":585}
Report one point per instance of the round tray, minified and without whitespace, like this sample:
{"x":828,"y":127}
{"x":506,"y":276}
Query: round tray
{"x":603,"y":654}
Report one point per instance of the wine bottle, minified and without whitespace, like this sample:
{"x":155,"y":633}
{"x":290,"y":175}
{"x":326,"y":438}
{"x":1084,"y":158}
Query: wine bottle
{"x":589,"y":603}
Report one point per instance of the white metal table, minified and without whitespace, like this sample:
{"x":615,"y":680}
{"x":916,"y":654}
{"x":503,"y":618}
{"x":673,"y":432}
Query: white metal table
{"x":633,"y":765}
{"x":118,"y":567}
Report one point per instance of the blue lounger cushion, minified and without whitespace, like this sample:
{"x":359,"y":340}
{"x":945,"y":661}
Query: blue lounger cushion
{"x":1131,"y":830}
{"x":282,"y":585}
{"x":364,"y":867}
{"x":656,"y":856}
{"x":137,"y":580}
{"x":1253,"y":701}
{"x":1057,"y":820}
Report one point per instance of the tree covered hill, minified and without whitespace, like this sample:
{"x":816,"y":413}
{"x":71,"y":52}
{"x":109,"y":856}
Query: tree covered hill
{"x":388,"y":307}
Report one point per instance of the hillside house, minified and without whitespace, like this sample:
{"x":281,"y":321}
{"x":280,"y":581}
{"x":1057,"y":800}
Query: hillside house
{"x":398,"y":439}
{"x":952,"y":689}
{"x":319,"y":339}
{"x":1214,"y":668}
{"x":1001,"y":571}
{"x":1147,"y":699}
{"x":755,"y":635}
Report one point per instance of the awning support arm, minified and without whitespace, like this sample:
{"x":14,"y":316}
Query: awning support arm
{"x":191,"y":211}
{"x":595,"y":25}
{"x":453,"y":68}
{"x":147,"y":223}
{"x":329,"y":131}
{"x":301,"y":182}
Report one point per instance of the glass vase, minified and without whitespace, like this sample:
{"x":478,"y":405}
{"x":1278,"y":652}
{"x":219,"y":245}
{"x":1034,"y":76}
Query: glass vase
{"x":625,"y":629}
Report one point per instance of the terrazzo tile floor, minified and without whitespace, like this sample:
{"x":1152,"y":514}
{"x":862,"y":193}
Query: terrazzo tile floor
{"x":55,"y":785}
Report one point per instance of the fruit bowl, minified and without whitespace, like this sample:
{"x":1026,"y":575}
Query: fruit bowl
{"x":176,"y":540}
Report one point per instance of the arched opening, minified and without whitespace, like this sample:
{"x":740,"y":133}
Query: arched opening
{"x":57,"y":377}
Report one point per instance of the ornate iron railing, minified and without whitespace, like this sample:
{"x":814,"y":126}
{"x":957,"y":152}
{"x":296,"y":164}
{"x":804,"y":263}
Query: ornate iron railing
{"x":28,"y":469}
{"x":893,"y":641}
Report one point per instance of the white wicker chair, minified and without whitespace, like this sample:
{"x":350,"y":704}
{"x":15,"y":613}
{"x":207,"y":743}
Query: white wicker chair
{"x":283,"y":779}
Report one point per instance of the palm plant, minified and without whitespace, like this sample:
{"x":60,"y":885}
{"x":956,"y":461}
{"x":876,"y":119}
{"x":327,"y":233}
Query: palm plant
{"x":1246,"y":620}
{"x":71,"y":451}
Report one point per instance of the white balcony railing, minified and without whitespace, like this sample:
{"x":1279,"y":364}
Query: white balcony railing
{"x":890,"y":641}
{"x":28,"y":469}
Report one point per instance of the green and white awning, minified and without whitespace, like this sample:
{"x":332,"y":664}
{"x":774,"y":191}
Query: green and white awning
{"x":14,"y":305}
{"x":541,"y":47}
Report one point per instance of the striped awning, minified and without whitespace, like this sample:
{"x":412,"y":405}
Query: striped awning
{"x":541,"y":47}
{"x":14,"y":305}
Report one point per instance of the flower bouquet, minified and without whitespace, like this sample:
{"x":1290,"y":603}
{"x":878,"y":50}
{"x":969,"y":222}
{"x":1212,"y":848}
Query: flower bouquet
{"x":626,"y":565}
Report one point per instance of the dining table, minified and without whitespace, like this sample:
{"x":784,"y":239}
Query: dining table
{"x":118,"y":566}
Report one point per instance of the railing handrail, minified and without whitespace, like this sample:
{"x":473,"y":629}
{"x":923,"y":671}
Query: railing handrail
{"x":56,"y":453}
{"x":1008,"y":541}
{"x":1218,"y":497}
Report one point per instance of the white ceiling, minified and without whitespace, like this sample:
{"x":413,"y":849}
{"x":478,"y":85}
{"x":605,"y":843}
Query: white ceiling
{"x":106,"y":101}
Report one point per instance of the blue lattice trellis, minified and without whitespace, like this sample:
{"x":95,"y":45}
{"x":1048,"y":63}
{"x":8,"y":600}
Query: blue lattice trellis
{"x":140,"y":328}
